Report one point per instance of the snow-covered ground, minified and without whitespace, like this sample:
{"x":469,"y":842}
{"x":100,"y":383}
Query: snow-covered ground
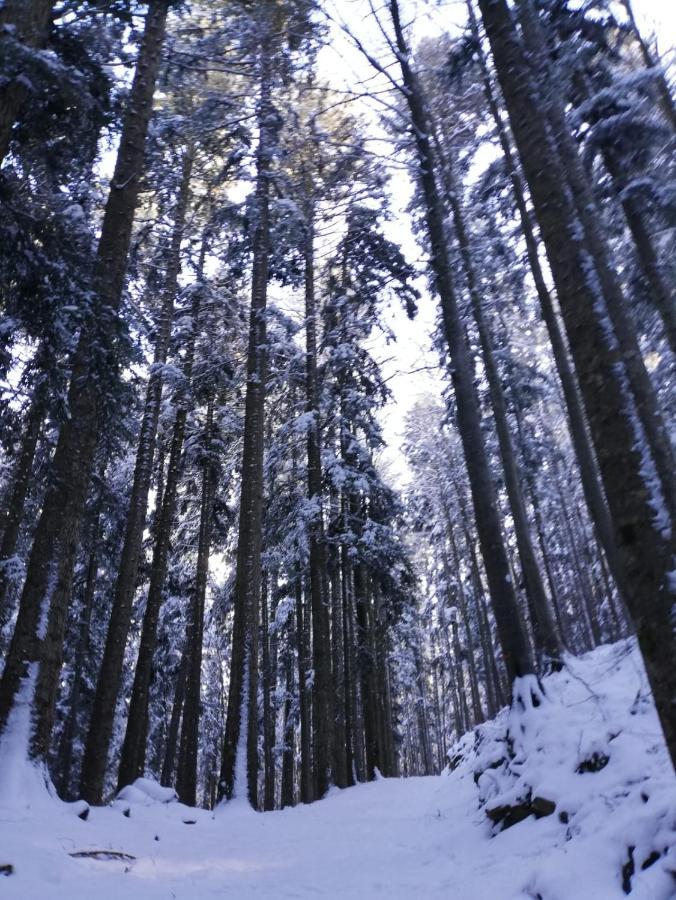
{"x":413,"y":838}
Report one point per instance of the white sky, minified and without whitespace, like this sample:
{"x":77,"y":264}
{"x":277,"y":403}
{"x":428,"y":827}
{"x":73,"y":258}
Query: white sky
{"x":344,"y":66}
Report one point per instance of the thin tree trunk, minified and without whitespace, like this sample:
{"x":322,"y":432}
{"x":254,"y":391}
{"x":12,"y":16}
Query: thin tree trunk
{"x":511,"y":629}
{"x":462,"y":604}
{"x":340,"y":764}
{"x":546,"y":638}
{"x":186,"y":780}
{"x":132,"y":760}
{"x":167,"y":777}
{"x":288,"y":729}
{"x":69,"y":732}
{"x":269,"y":709}
{"x":110,"y":673}
{"x":243,"y":687}
{"x":660,"y":293}
{"x":493,"y":682}
{"x":306,"y":785}
{"x":322,"y":693}
{"x":366,"y":667}
{"x":584,"y":451}
{"x":347,"y":648}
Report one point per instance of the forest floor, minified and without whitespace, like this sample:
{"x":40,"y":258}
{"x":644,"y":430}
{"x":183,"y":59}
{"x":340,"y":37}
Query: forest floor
{"x":593,"y":748}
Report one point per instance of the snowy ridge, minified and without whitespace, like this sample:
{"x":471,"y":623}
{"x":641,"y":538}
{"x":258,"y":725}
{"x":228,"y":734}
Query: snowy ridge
{"x":592,"y":747}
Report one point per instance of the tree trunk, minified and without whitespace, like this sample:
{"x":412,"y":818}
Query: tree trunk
{"x":288,"y":730}
{"x":110,"y":673}
{"x":462,"y":604}
{"x":322,"y":692}
{"x":57,"y":532}
{"x":511,"y":629}
{"x":70,"y":729}
{"x":646,"y":551}
{"x":269,"y":709}
{"x":366,"y":665}
{"x":661,"y":294}
{"x":243,"y":687}
{"x":546,"y":638}
{"x":605,"y":279}
{"x":347,"y":649}
{"x":186,"y":780}
{"x":169,"y":763}
{"x":340,"y":764}
{"x":302,"y":632}
{"x":584,"y":451}
{"x":132,"y":761}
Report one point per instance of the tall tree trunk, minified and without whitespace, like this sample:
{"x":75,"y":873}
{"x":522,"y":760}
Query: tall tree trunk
{"x":269,"y":709}
{"x":25,"y":24}
{"x":243,"y":687}
{"x":546,"y":638}
{"x":340,"y":764}
{"x":661,"y":293}
{"x":132,"y":760}
{"x":69,"y":735}
{"x":532,"y":492}
{"x":57,"y":531}
{"x":110,"y":673}
{"x":346,"y":583}
{"x":366,"y":665}
{"x":493,"y":682}
{"x":646,"y":550}
{"x":288,"y":728}
{"x":511,"y":629}
{"x":169,"y":763}
{"x":462,"y":604}
{"x":186,"y":780}
{"x":584,"y":451}
{"x":302,"y":632}
{"x":322,"y":692}
{"x":605,"y":279}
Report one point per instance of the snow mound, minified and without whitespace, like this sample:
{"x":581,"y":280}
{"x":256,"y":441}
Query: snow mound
{"x":590,"y":759}
{"x":147,"y":791}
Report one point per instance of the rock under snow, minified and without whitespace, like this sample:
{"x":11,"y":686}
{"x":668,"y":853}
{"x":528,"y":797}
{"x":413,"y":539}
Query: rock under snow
{"x":147,"y":791}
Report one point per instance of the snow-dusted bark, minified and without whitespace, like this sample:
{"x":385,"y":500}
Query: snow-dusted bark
{"x":644,"y":539}
{"x":57,"y":532}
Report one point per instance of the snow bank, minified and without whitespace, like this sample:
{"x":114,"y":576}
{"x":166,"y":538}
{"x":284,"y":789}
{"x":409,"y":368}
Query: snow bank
{"x":592,"y":757}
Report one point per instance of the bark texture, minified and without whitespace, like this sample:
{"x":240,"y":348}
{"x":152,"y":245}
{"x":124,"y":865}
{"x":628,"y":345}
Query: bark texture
{"x":512,"y":633}
{"x":110,"y":673}
{"x":45,"y":593}
{"x":645,"y":547}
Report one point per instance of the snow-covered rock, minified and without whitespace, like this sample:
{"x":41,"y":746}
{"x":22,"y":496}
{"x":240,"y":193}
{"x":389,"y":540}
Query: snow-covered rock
{"x":147,"y":791}
{"x":594,"y":751}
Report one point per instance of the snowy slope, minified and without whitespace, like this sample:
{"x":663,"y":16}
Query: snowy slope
{"x":415,"y":838}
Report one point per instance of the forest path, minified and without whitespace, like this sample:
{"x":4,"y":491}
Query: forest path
{"x":395,"y":838}
{"x":400,"y":839}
